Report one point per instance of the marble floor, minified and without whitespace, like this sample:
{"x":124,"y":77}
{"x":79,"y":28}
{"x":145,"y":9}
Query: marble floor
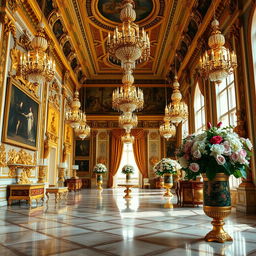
{"x":91,"y":225}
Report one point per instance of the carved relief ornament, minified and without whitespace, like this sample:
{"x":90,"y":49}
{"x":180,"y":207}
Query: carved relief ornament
{"x":2,"y":156}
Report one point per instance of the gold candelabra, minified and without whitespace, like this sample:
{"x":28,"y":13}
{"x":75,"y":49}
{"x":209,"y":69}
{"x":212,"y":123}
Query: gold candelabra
{"x":167,"y":129}
{"x":218,"y":62}
{"x":37,"y":65}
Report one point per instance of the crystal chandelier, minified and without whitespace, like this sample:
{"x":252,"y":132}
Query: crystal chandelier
{"x":37,"y":65}
{"x":129,"y":45}
{"x":128,"y":120}
{"x":75,"y":116}
{"x":167,"y":129}
{"x":127,"y":138}
{"x":83,"y":130}
{"x":178,"y":109}
{"x":217,"y":63}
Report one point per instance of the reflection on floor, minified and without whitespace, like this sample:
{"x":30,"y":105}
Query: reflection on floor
{"x":90,"y":224}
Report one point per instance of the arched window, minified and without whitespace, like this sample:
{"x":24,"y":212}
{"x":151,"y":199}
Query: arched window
{"x":127,"y":158}
{"x":199,"y":110}
{"x":226,"y":110}
{"x":226,"y":101}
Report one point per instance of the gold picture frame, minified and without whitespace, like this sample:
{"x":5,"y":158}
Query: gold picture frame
{"x":21,"y":118}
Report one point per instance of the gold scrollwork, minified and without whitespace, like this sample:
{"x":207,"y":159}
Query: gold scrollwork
{"x":20,"y":157}
{"x":2,"y":156}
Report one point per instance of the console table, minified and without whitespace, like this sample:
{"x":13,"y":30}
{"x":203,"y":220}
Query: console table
{"x":26,"y":192}
{"x":74,"y":184}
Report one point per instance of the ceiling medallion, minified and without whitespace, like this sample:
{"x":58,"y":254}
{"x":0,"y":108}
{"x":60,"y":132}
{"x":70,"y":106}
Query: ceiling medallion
{"x":217,"y":63}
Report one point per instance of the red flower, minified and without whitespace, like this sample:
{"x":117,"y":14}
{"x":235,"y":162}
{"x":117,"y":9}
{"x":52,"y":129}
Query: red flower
{"x":219,"y":124}
{"x":216,"y":140}
{"x":209,"y":125}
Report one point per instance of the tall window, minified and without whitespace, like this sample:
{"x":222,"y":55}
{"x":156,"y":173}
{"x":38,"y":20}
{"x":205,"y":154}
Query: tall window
{"x":199,"y":110}
{"x":226,"y":109}
{"x":253,"y":39}
{"x":185,"y":129}
{"x":226,"y":101}
{"x":127,"y":158}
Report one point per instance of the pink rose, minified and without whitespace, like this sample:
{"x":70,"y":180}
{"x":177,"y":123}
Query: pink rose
{"x":216,"y":140}
{"x":227,"y":150}
{"x":194,"y":167}
{"x":197,"y":154}
{"x":243,"y":153}
{"x":220,"y":159}
{"x":234,"y":157}
{"x":187,"y":146}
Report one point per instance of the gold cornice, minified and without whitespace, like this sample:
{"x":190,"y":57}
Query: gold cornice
{"x":115,"y":118}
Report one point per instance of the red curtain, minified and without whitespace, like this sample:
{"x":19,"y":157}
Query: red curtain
{"x":140,"y":150}
{"x":116,"y":152}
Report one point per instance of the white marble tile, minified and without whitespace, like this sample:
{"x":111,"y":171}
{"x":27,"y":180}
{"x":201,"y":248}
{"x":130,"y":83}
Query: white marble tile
{"x":162,"y":226}
{"x":65,"y":231}
{"x":131,"y":248}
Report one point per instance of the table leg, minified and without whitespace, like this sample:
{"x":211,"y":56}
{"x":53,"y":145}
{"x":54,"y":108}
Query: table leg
{"x":56,"y":197}
{"x":47,"y":194}
{"x":9,"y":202}
{"x":127,"y":193}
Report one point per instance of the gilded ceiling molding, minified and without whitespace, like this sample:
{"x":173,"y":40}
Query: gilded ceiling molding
{"x":53,"y":17}
{"x":25,"y":41}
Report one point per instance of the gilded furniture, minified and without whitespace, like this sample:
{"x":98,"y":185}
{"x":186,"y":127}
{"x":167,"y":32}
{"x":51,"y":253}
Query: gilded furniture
{"x":60,"y":193}
{"x":190,"y":192}
{"x":26,"y":192}
{"x":127,"y":191}
{"x":74,"y":184}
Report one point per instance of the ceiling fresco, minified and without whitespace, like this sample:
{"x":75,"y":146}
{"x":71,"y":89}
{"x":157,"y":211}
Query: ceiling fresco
{"x":110,"y":9}
{"x":81,"y":28}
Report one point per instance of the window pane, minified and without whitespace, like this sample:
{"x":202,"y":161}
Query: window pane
{"x":233,"y":118}
{"x":225,"y":120}
{"x":223,"y":103}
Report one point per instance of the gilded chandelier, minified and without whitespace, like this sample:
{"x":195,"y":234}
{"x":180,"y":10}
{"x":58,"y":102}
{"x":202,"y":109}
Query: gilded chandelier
{"x":127,"y":138}
{"x":129,"y":45}
{"x":177,"y":109}
{"x":37,"y":66}
{"x":217,"y":63}
{"x":167,"y":129}
{"x":83,"y":130}
{"x":128,"y":120}
{"x":75,"y":115}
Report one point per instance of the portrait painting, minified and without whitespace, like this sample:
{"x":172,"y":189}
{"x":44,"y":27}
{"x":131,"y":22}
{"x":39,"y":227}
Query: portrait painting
{"x":21,"y":117}
{"x":170,"y":148}
{"x":67,"y":48}
{"x":110,"y":9}
{"x":58,"y":29}
{"x":82,"y":148}
{"x":53,"y":120}
{"x":83,"y":165}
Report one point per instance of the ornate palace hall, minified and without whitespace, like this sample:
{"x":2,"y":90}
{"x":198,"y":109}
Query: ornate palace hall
{"x":96,"y":223}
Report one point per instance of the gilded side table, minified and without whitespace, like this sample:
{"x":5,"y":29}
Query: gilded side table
{"x":127,"y":191}
{"x":26,"y":192}
{"x":60,"y":193}
{"x":74,"y":184}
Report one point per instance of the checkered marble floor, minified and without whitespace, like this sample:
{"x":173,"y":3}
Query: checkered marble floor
{"x":91,"y":223}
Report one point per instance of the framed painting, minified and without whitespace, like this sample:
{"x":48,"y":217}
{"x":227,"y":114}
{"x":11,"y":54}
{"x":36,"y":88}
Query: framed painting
{"x":21,"y":117}
{"x":170,"y":148}
{"x":82,"y":148}
{"x":83,"y":165}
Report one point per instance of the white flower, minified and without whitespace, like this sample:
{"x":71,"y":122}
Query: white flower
{"x":197,"y":154}
{"x":248,"y":144}
{"x":234,"y":142}
{"x":183,"y":162}
{"x":217,"y":149}
{"x":220,"y":159}
{"x":194,"y":167}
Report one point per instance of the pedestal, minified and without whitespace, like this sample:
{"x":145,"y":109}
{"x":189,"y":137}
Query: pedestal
{"x":246,"y":198}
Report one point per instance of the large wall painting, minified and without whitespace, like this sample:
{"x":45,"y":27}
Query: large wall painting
{"x":110,"y":9}
{"x":21,"y":117}
{"x":99,"y":101}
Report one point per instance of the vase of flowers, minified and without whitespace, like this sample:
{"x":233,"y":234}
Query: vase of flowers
{"x":128,"y":170}
{"x":99,"y":169}
{"x":215,"y":153}
{"x":166,"y":167}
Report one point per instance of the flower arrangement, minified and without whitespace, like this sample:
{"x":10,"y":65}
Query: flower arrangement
{"x":216,"y":150}
{"x":128,"y":169}
{"x":166,"y":165}
{"x":100,"y":168}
